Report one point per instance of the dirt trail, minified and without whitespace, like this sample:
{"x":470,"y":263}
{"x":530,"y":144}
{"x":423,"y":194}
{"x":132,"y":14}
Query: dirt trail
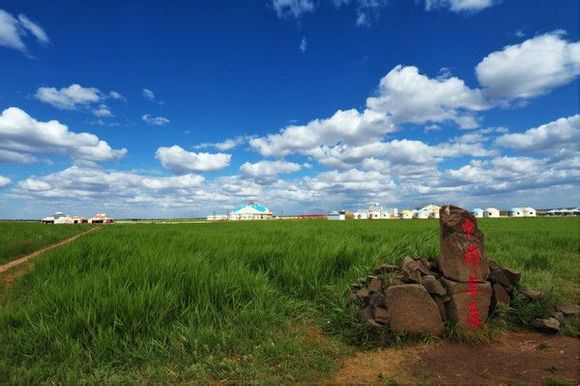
{"x":517,"y":358}
{"x":14,"y":263}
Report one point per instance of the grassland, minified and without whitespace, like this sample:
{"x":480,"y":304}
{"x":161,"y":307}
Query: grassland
{"x":20,"y":238}
{"x":231,"y":301}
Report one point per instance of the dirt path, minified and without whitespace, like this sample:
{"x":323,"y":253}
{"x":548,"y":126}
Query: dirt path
{"x":517,"y":358}
{"x":14,"y":263}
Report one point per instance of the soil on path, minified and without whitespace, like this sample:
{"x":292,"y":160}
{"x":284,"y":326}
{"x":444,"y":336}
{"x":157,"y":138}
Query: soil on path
{"x":14,"y":263}
{"x":516,"y":358}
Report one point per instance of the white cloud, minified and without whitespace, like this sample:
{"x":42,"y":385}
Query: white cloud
{"x":351,"y":181}
{"x":21,"y":133}
{"x":148,"y":94}
{"x":531,"y":68}
{"x":180,"y":161}
{"x":68,"y":97}
{"x":265,"y":168}
{"x":562,"y":134}
{"x":303,"y":45}
{"x":295,"y":8}
{"x":350,"y":126}
{"x":102,"y":111}
{"x":228,"y":144}
{"x":8,"y":156}
{"x":459,"y":5}
{"x":13,"y":30}
{"x":116,"y":95}
{"x":155,"y":121}
{"x":408,"y":96}
{"x":4,"y":181}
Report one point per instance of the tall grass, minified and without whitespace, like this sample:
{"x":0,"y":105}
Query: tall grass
{"x":228,"y":301}
{"x":20,"y":238}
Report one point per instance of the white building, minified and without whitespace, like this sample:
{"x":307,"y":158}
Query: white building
{"x":491,"y":213}
{"x":477,"y":212}
{"x":218,"y":217}
{"x":101,"y":218}
{"x":516,"y":212}
{"x":336,"y":216}
{"x":422,"y":214}
{"x":407,"y":214}
{"x":529,"y":212}
{"x":360,"y":215}
{"x":251,"y":211}
{"x":432,"y":211}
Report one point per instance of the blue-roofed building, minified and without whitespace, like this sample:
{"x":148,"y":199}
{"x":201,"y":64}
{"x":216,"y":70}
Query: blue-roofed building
{"x":251,"y":211}
{"x":477,"y":212}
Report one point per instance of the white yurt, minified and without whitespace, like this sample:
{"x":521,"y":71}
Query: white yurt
{"x":477,"y":212}
{"x":516,"y":212}
{"x":491,"y":213}
{"x":422,"y":214}
{"x":529,"y":212}
{"x":407,"y":214}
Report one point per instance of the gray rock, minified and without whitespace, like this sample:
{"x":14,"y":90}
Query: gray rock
{"x":550,"y":325}
{"x":460,"y":306}
{"x":375,"y":284}
{"x":569,"y":309}
{"x":501,"y":295}
{"x":460,"y":236}
{"x":412,"y":310}
{"x":377,"y":299}
{"x":433,"y":286}
{"x":442,"y":307}
{"x":365,"y":313}
{"x":381,"y":315}
{"x":363,"y":293}
{"x":532,"y":295}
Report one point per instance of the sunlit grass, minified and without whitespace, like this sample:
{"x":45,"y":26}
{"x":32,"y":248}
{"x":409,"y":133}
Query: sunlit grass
{"x":230,"y":301}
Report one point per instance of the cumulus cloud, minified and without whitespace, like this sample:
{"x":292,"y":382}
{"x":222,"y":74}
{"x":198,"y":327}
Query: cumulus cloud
{"x":22,"y":134}
{"x":13,"y":30}
{"x":76,"y":96}
{"x":155,"y":121}
{"x":180,"y":161}
{"x":294,"y":8}
{"x":69,"y":97}
{"x":8,"y":156}
{"x":531,"y":68}
{"x":459,"y":5}
{"x":4,"y":181}
{"x":561,"y":134}
{"x":408,"y":96}
{"x":268,"y":169}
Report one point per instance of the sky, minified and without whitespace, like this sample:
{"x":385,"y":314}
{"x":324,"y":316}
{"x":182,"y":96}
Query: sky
{"x":147,"y":109}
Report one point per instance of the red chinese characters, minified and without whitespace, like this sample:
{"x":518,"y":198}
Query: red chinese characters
{"x":472,"y":258}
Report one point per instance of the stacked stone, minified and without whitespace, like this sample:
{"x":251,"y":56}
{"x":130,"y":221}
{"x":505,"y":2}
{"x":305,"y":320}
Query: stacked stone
{"x":418,"y":296}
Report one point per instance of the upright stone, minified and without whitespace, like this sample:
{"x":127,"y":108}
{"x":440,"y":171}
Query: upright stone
{"x":462,"y":251}
{"x":412,"y":310}
{"x":469,"y":305}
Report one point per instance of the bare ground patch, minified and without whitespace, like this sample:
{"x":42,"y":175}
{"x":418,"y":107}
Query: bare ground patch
{"x":516,"y":358}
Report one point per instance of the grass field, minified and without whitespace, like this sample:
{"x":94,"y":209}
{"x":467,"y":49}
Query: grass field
{"x":20,"y":238}
{"x":231,"y":301}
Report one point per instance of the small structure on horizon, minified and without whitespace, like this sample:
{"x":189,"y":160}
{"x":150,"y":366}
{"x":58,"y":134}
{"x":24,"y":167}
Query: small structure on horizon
{"x":477,"y":212}
{"x":491,"y":213}
{"x":250,"y":211}
{"x":101,"y":218}
{"x":336,"y":215}
{"x":516,"y":212}
{"x":408,"y":214}
{"x":529,"y":212}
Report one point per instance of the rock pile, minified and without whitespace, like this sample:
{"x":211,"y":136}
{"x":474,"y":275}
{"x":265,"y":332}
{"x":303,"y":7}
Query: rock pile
{"x":463,"y":285}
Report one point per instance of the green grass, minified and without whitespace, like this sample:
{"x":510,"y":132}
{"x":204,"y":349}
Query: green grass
{"x":231,"y":301}
{"x":20,"y":238}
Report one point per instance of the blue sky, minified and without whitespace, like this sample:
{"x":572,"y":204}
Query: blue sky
{"x":150,"y":109}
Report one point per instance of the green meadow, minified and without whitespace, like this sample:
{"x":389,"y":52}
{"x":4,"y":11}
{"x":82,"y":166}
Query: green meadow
{"x":235,"y":302}
{"x":20,"y":238}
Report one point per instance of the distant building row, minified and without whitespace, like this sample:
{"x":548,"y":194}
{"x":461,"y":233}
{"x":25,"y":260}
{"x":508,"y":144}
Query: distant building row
{"x":60,"y":218}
